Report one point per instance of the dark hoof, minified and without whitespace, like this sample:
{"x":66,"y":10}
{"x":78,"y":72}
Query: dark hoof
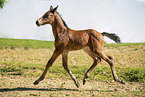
{"x":77,"y":84}
{"x":36,"y":82}
{"x":122,"y":82}
{"x":84,"y":81}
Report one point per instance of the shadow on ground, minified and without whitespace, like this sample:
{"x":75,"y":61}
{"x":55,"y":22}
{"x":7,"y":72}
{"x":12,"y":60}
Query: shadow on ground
{"x":35,"y":89}
{"x":51,"y":89}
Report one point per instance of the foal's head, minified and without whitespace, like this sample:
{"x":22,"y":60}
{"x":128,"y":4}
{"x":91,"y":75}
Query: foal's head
{"x":48,"y":17}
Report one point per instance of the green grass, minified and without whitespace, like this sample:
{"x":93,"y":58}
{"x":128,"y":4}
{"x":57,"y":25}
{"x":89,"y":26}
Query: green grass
{"x":123,"y":44}
{"x":129,"y":74}
{"x":26,"y":43}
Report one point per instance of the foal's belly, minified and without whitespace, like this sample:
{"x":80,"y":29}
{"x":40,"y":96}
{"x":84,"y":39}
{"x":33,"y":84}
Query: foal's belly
{"x":75,"y":46}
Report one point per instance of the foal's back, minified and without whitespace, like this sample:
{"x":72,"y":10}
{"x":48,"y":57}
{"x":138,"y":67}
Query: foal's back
{"x":82,"y":38}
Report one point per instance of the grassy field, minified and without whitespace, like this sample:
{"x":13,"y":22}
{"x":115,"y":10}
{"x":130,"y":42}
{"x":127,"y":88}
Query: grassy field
{"x":23,"y":61}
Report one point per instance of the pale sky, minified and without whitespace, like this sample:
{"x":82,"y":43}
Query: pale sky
{"x":126,"y":18}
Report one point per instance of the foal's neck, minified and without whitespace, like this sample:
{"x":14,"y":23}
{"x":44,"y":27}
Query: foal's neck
{"x":58,"y":26}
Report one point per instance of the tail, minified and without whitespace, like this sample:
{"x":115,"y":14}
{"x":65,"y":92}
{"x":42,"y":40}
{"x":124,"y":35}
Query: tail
{"x":112,"y":36}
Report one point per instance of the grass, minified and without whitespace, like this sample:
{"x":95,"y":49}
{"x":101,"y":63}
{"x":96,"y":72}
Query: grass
{"x":25,"y":43}
{"x":23,"y":61}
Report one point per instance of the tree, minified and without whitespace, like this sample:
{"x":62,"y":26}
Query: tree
{"x":2,"y":3}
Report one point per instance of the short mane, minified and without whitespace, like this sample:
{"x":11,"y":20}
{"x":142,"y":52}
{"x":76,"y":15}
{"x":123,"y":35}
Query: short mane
{"x":63,"y":21}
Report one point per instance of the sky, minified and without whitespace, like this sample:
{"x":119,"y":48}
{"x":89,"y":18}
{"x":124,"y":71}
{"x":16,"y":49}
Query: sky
{"x":126,"y":18}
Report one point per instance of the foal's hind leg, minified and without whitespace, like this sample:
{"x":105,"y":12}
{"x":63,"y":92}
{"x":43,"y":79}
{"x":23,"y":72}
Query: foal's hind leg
{"x":109,"y":60}
{"x":91,"y":69}
{"x":65,"y":65}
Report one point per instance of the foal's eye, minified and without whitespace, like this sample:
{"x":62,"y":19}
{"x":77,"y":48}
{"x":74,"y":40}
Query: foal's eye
{"x":45,"y":16}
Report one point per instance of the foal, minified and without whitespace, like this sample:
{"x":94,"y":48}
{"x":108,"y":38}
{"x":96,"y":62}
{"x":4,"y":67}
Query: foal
{"x":66,"y":40}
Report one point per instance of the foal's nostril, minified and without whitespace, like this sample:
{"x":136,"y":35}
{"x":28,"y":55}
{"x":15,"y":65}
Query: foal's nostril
{"x":37,"y":23}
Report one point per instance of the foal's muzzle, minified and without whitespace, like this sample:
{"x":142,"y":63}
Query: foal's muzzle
{"x":37,"y":23}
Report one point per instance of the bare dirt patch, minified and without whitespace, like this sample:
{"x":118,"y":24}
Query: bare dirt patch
{"x":23,"y":86}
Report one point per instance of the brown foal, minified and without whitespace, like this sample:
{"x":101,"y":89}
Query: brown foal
{"x":66,"y":40}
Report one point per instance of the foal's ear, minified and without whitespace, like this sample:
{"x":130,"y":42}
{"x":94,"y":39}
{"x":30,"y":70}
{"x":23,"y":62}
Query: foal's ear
{"x":54,"y":10}
{"x":51,"y":7}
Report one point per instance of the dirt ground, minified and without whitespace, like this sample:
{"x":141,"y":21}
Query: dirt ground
{"x":17,"y":86}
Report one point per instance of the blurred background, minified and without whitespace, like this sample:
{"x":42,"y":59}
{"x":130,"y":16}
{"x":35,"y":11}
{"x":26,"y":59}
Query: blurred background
{"x":126,"y":18}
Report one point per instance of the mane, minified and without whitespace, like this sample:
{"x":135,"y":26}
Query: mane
{"x":63,"y":21}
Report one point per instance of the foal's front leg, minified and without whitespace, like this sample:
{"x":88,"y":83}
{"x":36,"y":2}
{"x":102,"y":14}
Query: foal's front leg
{"x":49,"y":64}
{"x":65,"y":65}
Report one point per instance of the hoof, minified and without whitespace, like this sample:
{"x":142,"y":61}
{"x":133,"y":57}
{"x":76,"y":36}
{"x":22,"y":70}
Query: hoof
{"x":77,"y":84}
{"x":84,"y":81}
{"x":36,"y":82}
{"x":122,"y":82}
